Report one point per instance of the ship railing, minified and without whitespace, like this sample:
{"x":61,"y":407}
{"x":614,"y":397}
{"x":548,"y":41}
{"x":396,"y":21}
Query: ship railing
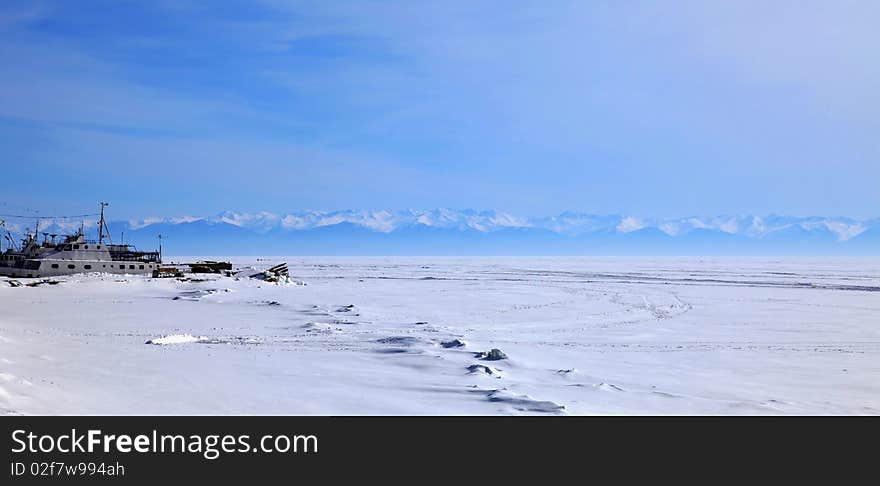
{"x":142,"y":256}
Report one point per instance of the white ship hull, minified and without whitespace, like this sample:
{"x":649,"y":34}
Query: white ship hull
{"x":55,"y":268}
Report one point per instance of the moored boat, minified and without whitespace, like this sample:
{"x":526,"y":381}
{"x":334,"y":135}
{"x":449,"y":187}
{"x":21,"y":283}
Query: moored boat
{"x":75,"y":254}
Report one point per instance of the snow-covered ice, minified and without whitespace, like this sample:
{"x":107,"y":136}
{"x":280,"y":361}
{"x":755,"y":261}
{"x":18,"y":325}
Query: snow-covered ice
{"x":415,"y":336}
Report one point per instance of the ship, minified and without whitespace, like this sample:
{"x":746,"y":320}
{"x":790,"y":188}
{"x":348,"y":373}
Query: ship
{"x":74,"y":253}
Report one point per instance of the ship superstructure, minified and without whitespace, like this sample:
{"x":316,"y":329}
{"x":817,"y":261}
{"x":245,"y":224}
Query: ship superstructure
{"x":75,"y":254}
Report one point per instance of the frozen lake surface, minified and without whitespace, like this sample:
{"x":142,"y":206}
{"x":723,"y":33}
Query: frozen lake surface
{"x":378,"y":336}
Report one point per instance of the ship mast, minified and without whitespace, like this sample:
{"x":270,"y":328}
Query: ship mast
{"x":102,"y":224}
{"x":7,"y":235}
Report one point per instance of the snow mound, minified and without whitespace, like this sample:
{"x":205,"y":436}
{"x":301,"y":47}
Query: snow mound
{"x":176,"y":339}
{"x":494,"y":354}
{"x":480,"y":369}
{"x":320,"y":327}
{"x":524,"y":403}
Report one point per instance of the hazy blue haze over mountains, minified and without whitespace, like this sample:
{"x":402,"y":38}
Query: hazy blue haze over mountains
{"x":469,"y":232}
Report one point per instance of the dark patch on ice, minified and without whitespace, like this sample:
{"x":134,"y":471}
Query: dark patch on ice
{"x":400,"y":340}
{"x":343,"y":322}
{"x":777,"y":404}
{"x":43,"y":282}
{"x":493,"y":354}
{"x":345,"y":308}
{"x":392,"y":351}
{"x":567,"y":372}
{"x":313,"y":310}
{"x":455,"y":343}
{"x":400,"y":345}
{"x":16,"y":283}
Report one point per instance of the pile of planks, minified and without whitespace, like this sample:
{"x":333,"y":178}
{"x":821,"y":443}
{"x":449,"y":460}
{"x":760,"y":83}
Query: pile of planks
{"x":277,"y":274}
{"x":210,"y":267}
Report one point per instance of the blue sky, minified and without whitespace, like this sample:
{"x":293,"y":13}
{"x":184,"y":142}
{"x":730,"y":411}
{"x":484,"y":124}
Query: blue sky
{"x":654,"y":109}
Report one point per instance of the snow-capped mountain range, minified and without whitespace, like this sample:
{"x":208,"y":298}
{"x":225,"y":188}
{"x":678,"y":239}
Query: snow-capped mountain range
{"x":568,"y":223}
{"x":446,"y":231}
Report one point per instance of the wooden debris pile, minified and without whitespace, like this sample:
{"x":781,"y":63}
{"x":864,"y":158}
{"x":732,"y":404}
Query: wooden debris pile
{"x":209,"y":266}
{"x":277,"y":274}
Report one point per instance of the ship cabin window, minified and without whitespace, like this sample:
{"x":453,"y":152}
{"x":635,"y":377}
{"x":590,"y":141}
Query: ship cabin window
{"x":103,"y":266}
{"x":68,"y":247}
{"x":86,"y":247}
{"x":98,"y":247}
{"x":141,"y":267}
{"x":54,"y":265}
{"x":131,"y":267}
{"x":76,"y":247}
{"x":87,"y":267}
{"x":71,"y":266}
